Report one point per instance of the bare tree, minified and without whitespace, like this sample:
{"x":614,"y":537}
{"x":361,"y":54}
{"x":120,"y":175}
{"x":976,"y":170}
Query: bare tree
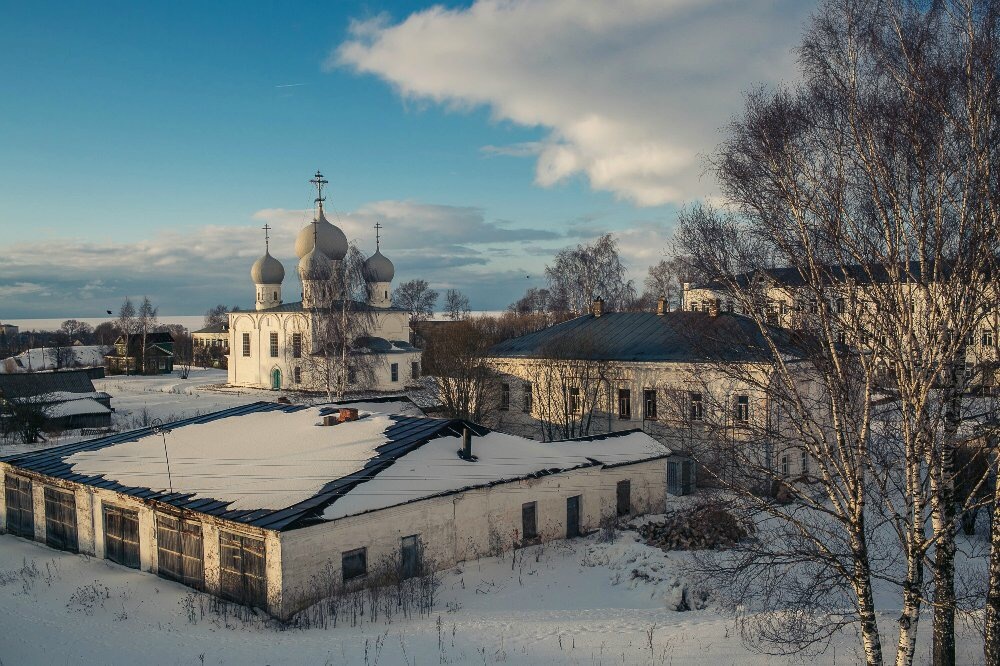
{"x":534,"y":301}
{"x":580,"y":274}
{"x":456,"y":304}
{"x":77,"y":330}
{"x":215,"y":315}
{"x":456,"y":355}
{"x":146,"y":321}
{"x":106,"y":333}
{"x":416,"y":297}
{"x":128,"y":325}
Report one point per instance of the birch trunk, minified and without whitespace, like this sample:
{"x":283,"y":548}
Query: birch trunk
{"x":991,"y":642}
{"x":862,"y":583}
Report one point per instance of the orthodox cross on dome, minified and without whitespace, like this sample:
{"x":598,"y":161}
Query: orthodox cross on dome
{"x":377,"y":235}
{"x":267,"y":237}
{"x":319,"y":182}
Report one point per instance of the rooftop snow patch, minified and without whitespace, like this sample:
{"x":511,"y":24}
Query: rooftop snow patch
{"x":260,"y":460}
{"x":75,"y":408}
{"x":434,"y":468}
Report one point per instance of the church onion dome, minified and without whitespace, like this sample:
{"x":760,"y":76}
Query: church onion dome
{"x":378,"y":268}
{"x":315,"y":266}
{"x":331,"y":240}
{"x":267,"y":270}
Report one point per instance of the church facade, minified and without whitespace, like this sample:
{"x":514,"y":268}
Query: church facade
{"x":292,"y":345}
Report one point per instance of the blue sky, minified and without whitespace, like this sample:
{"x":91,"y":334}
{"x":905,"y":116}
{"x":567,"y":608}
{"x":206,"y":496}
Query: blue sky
{"x":144,"y":144}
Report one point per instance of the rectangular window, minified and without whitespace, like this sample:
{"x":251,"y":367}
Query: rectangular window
{"x":241,"y":563}
{"x":414,"y":369}
{"x":409,"y":556}
{"x":697,"y":411}
{"x":60,"y":520}
{"x":296,"y":345}
{"x":274,"y":345}
{"x":352,"y":375}
{"x":180,"y":551}
{"x":354,"y":563}
{"x":526,"y":398}
{"x":529,"y":521}
{"x":805,"y":463}
{"x":623,"y":496}
{"x":246,"y":344}
{"x":987,"y":338}
{"x":574,"y":400}
{"x":649,"y":404}
{"x":394,"y":370}
{"x":624,"y":404}
{"x":20,"y":508}
{"x":785,"y":467}
{"x":504,"y":397}
{"x":841,"y":306}
{"x":742,"y":408}
{"x":121,"y":536}
{"x":297,"y":374}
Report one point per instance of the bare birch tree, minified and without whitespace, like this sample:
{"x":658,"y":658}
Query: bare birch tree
{"x":877,"y":172}
{"x":580,"y":274}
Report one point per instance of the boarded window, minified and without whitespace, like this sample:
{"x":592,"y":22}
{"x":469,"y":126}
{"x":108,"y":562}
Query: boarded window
{"x":680,"y":476}
{"x":409,"y":556}
{"x":60,"y":520}
{"x":297,"y":375}
{"x":179,"y":551}
{"x":697,"y":407}
{"x":624,"y":404}
{"x":273,"y":338}
{"x":649,"y":404}
{"x":354,"y":563}
{"x":394,"y":370}
{"x":574,"y":400}
{"x":504,"y":397}
{"x":624,"y":497}
{"x":20,"y":508}
{"x":296,"y":345}
{"x":414,"y":369}
{"x":241,"y":560}
{"x":121,"y":536}
{"x":246,"y":344}
{"x":572,"y":516}
{"x":529,"y":520}
{"x":742,"y":408}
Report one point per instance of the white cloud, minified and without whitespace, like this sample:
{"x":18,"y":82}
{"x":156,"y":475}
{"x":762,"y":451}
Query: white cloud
{"x":632,"y":93}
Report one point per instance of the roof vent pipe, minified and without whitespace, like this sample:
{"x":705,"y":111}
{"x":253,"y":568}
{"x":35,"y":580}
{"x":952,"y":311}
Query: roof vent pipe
{"x":598,"y":306}
{"x":465,"y":453}
{"x":713,"y":307}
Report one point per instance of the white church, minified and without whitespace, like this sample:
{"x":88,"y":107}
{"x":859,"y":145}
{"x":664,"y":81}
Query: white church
{"x":279,"y":345}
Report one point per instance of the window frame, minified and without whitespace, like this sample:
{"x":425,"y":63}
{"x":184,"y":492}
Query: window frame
{"x":355,"y":573}
{"x":527,"y":399}
{"x":625,"y":404}
{"x":272,"y":340}
{"x":696,"y":411}
{"x":246,"y":345}
{"x":742,"y":409}
{"x":296,"y":345}
{"x":394,"y":372}
{"x":573,"y":402}
{"x":504,"y":397}
{"x":649,"y":404}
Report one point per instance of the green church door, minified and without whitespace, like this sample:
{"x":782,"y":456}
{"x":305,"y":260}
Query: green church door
{"x":276,"y":380}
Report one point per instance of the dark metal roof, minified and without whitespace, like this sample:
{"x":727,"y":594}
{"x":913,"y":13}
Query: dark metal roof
{"x":27,"y":384}
{"x":214,"y":328}
{"x":405,"y":435}
{"x":791,"y":276}
{"x":679,"y":336}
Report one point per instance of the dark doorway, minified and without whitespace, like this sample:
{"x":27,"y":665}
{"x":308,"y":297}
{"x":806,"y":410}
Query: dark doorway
{"x":624,"y":497}
{"x":121,"y":536}
{"x":409,"y":552}
{"x":572,"y":516}
{"x":180,"y":551}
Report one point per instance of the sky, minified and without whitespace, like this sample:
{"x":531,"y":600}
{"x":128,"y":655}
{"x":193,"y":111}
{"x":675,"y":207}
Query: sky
{"x":144,"y":145}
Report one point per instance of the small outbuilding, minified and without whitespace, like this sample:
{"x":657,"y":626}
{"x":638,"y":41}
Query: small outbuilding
{"x":63,"y":400}
{"x":263,"y":504}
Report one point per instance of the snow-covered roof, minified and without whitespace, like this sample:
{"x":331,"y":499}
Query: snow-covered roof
{"x":75,"y":408}
{"x":276,"y":466}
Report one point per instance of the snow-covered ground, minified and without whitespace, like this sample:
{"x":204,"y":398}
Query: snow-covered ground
{"x":573,"y":602}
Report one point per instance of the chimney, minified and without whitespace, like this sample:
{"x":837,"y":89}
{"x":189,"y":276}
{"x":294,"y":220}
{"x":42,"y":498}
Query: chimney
{"x":661,"y":306}
{"x":466,"y":452}
{"x":330,"y":419}
{"x":713,"y":307}
{"x":598,"y":306}
{"x":347,"y":414}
